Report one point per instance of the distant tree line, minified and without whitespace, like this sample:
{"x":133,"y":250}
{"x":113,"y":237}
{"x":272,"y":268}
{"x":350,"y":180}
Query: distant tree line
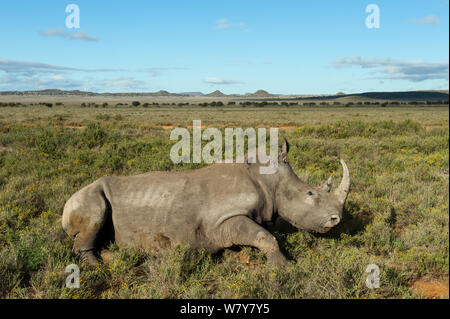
{"x":19,"y":104}
{"x":134,"y":104}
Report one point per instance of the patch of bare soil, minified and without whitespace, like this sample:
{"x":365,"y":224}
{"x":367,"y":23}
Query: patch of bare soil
{"x":169,"y":127}
{"x":241,"y":257}
{"x":287,"y":128}
{"x":431,"y":289}
{"x":245,"y":259}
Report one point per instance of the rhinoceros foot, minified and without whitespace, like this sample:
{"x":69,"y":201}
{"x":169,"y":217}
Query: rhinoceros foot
{"x":277,"y":259}
{"x":88,"y":258}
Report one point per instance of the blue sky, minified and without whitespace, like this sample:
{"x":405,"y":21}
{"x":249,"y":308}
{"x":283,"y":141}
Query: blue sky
{"x":302,"y":47}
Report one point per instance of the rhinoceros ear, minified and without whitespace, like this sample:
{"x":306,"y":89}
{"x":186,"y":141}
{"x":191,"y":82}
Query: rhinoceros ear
{"x":326,"y":187}
{"x":284,"y":152}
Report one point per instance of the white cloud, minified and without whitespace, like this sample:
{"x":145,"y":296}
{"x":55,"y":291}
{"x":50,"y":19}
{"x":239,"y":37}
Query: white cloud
{"x":26,"y":75}
{"x":414,"y":71}
{"x":428,"y":20}
{"x":54,"y":33}
{"x":222,"y":24}
{"x":158,"y":70}
{"x":225,"y":24}
{"x":12,"y":66}
{"x":79,"y":35}
{"x":219,"y":81}
{"x":20,"y":82}
{"x":30,"y":75}
{"x":124,"y":83}
{"x":58,"y":77}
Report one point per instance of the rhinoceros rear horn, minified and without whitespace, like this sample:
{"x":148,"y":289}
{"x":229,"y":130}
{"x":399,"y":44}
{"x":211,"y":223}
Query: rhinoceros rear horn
{"x":284,"y":152}
{"x":342,"y":191}
{"x":326,"y":187}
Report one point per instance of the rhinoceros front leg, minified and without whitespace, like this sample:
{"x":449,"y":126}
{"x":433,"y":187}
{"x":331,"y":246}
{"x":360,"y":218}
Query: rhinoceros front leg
{"x":243,"y":231}
{"x":84,"y":245}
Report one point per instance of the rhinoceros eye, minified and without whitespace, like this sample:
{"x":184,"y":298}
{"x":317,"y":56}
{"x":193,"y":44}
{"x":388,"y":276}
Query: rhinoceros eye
{"x":309,"y":193}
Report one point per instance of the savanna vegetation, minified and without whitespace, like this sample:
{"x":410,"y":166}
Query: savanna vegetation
{"x":396,"y":215}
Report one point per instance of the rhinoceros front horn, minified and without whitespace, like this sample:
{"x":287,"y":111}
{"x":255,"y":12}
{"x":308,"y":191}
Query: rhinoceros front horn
{"x":342,"y":191}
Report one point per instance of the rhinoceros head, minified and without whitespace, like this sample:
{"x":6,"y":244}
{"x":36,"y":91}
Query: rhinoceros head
{"x":305,"y":207}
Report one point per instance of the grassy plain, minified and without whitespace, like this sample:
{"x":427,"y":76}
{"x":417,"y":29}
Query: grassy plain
{"x":396,"y":216}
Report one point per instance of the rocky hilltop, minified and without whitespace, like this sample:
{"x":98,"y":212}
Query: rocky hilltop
{"x":261,"y":93}
{"x":216,"y":93}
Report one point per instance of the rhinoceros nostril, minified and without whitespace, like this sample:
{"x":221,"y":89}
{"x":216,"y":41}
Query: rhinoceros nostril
{"x":332,"y":221}
{"x":335,"y":219}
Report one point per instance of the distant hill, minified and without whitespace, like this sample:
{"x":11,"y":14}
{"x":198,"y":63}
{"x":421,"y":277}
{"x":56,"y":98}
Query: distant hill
{"x":216,"y":93}
{"x":49,"y":92}
{"x":397,"y":96}
{"x":407,"y":96}
{"x":261,"y":93}
{"x":162,"y":93}
{"x":84,"y":93}
{"x":430,"y":95}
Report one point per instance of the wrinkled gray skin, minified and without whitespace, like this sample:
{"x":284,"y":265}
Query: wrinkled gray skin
{"x":214,"y":207}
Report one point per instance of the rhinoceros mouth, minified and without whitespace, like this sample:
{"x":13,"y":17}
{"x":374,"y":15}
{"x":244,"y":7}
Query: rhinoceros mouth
{"x":323,"y":227}
{"x":322,"y":230}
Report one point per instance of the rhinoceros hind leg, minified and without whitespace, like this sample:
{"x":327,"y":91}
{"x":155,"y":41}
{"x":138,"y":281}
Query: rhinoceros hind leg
{"x":242,"y":231}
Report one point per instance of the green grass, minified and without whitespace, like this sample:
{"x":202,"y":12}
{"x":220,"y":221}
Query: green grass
{"x":396,"y":215}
